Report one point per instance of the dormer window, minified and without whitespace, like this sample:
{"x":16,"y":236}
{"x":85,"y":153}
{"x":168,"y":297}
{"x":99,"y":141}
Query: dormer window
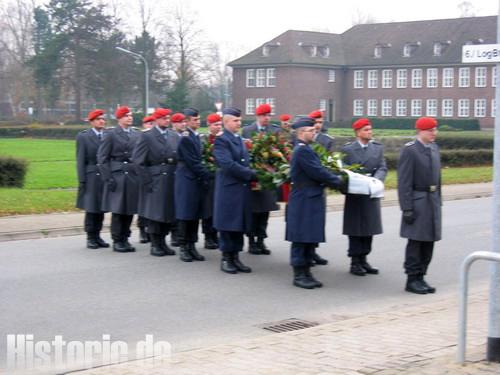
{"x":323,"y":51}
{"x":407,"y":50}
{"x":268,"y":47}
{"x":438,"y":47}
{"x":377,"y":52}
{"x":265,"y":50}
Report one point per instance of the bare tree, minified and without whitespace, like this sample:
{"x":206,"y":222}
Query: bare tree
{"x":361,"y":18}
{"x":466,"y":9}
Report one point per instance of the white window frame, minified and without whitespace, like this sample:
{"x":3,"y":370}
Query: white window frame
{"x":407,"y":50}
{"x":377,"y":52}
{"x":402,"y":78}
{"x":493,"y":76}
{"x":480,"y":76}
{"x":373,"y":79}
{"x":437,"y":49}
{"x":387,"y":79}
{"x":463,"y":108}
{"x":464,"y":77}
{"x":322,"y":105}
{"x":447,"y":77}
{"x":432,"y":77}
{"x":431,"y":107}
{"x":493,"y":108}
{"x":479,"y":107}
{"x":416,"y":107}
{"x":401,"y":107}
{"x":447,"y":108}
{"x":271,"y":77}
{"x":386,"y":107}
{"x":250,"y":75}
{"x":331,"y":75}
{"x":372,"y":107}
{"x":260,"y":78}
{"x":357,"y":107}
{"x":259,"y":101}
{"x":359,"y":78}
{"x":272,"y":103}
{"x":250,"y":106}
{"x":416,"y":78}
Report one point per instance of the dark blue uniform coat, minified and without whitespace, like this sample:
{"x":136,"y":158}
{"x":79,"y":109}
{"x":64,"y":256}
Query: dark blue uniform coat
{"x":232,"y":206}
{"x":121,"y":189}
{"x":305,"y":219}
{"x":191,"y":178}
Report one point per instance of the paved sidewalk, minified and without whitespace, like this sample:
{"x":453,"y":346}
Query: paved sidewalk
{"x":71,"y":223}
{"x":411,"y":340}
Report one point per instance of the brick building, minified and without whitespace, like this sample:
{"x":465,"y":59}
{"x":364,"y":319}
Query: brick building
{"x":388,"y":70}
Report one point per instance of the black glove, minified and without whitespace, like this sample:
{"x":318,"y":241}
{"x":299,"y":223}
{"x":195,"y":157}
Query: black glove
{"x":409,"y":217}
{"x":254,"y":177}
{"x":81,"y":187}
{"x":344,"y":184}
{"x":111,"y":185}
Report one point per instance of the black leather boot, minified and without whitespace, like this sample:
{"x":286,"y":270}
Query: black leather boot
{"x":164,"y":246}
{"x":120,"y":247}
{"x":319,"y":260}
{"x":92,"y":241}
{"x":156,"y":249}
{"x":185,"y":254}
{"x":262,"y":246}
{"x":101,"y":242}
{"x":194,"y":252}
{"x":367,"y":267}
{"x":300,"y":278}
{"x":129,"y":246}
{"x":252,"y":246}
{"x":210,"y":244}
{"x":144,"y":237}
{"x":414,"y":285}
{"x":239,"y":265}
{"x":227,"y":264}
{"x":356,"y":267}
{"x":430,"y":289}
{"x":318,"y":284}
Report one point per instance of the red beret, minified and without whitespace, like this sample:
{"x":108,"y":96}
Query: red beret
{"x":177,"y":117}
{"x":361,"y":123}
{"x":213,"y":117}
{"x":161,"y":112}
{"x":285,"y":117}
{"x":263,"y":109}
{"x":316,"y":114}
{"x":426,"y":123}
{"x":148,"y":119}
{"x":121,"y":111}
{"x":94,"y":114}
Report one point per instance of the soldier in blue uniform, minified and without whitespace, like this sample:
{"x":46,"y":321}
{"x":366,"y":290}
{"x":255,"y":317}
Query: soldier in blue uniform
{"x":362,"y":214}
{"x":191,"y":183}
{"x":263,"y":201}
{"x":419,"y":191}
{"x":156,"y":159}
{"x":90,"y":183}
{"x":232,"y":206}
{"x":121,"y":189}
{"x":306,"y":213}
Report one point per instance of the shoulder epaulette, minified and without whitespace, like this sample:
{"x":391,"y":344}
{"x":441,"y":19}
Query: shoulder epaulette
{"x":146,"y":130}
{"x":375,"y":142}
{"x":348,"y":143}
{"x":84,"y":131}
{"x":301,"y":144}
{"x":411,"y":143}
{"x":328,"y":135}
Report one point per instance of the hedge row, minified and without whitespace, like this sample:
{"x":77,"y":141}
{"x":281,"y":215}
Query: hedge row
{"x":409,"y":123}
{"x":12,"y":171}
{"x":452,"y":158}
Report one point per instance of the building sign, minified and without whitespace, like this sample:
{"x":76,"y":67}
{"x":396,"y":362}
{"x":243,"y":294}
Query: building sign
{"x":481,"y":53}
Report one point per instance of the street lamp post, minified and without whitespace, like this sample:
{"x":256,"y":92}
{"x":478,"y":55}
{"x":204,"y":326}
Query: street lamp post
{"x":146,"y":76}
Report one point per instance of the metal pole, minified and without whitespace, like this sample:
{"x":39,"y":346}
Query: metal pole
{"x":493,"y":352}
{"x":146,"y":76}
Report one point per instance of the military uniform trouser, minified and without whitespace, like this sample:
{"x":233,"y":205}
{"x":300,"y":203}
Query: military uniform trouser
{"x":418,"y":256}
{"x":359,"y":246}
{"x":187,"y":231}
{"x":158,"y":227}
{"x":230,"y":242}
{"x":142,"y":222}
{"x":120,"y":226}
{"x":301,"y":254}
{"x":207,"y":226}
{"x":93,"y":222}
{"x":259,"y":224}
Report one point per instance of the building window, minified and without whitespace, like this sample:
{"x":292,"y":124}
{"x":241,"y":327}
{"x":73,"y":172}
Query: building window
{"x":250,"y":106}
{"x":386,"y":107}
{"x":261,"y":78}
{"x":407,"y":50}
{"x":402,"y":76}
{"x":401,"y":107}
{"x":271,"y":77}
{"x":463,"y":107}
{"x":447,"y":77}
{"x":494,"y":77}
{"x":250,"y":77}
{"x":331,"y":75}
{"x":481,"y":76}
{"x":372,"y":79}
{"x":323,"y":51}
{"x":464,"y":77}
{"x":416,"y":107}
{"x":447,"y":108}
{"x":437,"y":49}
{"x":432,"y":77}
{"x":322,"y":105}
{"x":493,"y":107}
{"x":265,"y":50}
{"x":372,"y":107}
{"x":431,"y":107}
{"x":357,"y":107}
{"x":358,"y":79}
{"x":387,"y":79}
{"x":416,"y":78}
{"x":272,"y":103}
{"x":377,"y":52}
{"x":479,"y":107}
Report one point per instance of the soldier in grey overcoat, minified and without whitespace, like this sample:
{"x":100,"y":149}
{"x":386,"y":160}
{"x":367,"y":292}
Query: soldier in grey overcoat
{"x":155,"y":157}
{"x":419,"y":191}
{"x":263,"y":201}
{"x":362,"y":214}
{"x":121,"y":183}
{"x":90,"y":183}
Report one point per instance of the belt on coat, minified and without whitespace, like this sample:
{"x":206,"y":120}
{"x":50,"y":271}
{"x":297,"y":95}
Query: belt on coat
{"x":91,"y":168}
{"x":169,"y":161}
{"x":427,"y":189}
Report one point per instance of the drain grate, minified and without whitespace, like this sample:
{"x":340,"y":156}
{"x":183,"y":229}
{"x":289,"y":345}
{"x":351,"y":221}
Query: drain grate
{"x":288,"y":325}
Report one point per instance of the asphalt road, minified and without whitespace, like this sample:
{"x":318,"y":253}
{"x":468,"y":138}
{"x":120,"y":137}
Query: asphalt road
{"x":56,"y":286}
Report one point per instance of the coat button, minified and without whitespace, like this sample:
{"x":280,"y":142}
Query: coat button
{"x":98,"y":174}
{"x":126,"y":172}
{"x":164,"y":173}
{"x":242,"y":159}
{"x":125,"y":162}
